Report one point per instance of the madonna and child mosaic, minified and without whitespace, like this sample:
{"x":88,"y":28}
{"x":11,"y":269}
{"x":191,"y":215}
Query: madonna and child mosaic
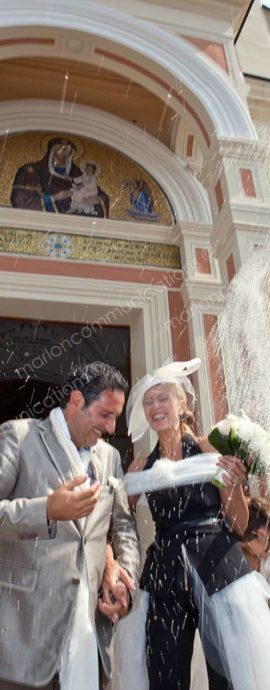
{"x":77,"y":176}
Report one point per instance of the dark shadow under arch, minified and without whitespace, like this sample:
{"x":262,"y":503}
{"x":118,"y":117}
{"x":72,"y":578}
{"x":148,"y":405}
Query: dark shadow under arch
{"x":37,"y":356}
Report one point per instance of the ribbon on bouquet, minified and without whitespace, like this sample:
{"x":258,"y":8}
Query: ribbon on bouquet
{"x":166,"y":473}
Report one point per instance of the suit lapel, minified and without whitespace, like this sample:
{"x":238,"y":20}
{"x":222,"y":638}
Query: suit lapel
{"x":58,"y":459}
{"x":56,"y":453}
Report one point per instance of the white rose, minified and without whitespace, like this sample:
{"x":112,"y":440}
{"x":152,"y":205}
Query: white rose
{"x":223,"y":426}
{"x":258,"y":440}
{"x":245,"y":430}
{"x":234,"y":421}
{"x":265,"y":453}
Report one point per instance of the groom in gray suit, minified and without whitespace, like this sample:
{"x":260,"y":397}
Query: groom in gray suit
{"x":64,"y":518}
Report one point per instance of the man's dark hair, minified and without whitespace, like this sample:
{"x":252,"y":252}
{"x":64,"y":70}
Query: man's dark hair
{"x":92,"y":380}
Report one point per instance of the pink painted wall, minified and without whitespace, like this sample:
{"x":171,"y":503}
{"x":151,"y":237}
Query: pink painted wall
{"x":215,"y":51}
{"x":23,"y":264}
{"x":179,"y":326}
{"x":217,"y":379}
{"x":247,"y":182}
{"x":26,"y":41}
{"x":202,"y":260}
{"x":189,"y":146}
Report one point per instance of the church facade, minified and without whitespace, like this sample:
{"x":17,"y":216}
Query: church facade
{"x":134,"y":182}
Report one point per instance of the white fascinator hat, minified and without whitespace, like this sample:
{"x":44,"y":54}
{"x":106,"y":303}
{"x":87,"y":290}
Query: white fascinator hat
{"x":174,"y":372}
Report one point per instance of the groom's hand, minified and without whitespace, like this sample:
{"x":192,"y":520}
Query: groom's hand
{"x":117,"y":585}
{"x":115,"y":606}
{"x":66,"y":503}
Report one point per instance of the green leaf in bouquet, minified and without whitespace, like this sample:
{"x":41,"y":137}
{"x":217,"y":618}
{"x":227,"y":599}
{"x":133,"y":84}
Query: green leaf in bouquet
{"x":234,"y":442}
{"x":219,"y":441}
{"x":238,"y":447}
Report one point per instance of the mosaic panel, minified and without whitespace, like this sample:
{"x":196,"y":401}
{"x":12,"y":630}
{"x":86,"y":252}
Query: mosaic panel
{"x":74,"y":175}
{"x":85,"y":248}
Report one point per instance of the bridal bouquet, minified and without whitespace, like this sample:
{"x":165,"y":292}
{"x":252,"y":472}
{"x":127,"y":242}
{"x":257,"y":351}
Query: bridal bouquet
{"x":243,"y":438}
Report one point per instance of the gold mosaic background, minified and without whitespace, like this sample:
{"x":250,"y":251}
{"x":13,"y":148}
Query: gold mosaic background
{"x":84,"y":248}
{"x":18,"y":149}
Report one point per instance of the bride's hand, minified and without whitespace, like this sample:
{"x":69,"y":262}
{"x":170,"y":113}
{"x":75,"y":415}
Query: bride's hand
{"x":235,"y":471}
{"x":116,"y":587}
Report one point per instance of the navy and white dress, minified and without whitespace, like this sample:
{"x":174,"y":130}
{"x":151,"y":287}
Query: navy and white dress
{"x":197,"y":576}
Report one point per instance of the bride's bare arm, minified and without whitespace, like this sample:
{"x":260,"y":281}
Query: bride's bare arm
{"x":136,"y":465}
{"x":204,"y":444}
{"x":232,"y":497}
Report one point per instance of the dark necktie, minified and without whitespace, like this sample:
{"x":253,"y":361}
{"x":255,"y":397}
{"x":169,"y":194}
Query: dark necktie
{"x":91,"y":473}
{"x":90,"y":469}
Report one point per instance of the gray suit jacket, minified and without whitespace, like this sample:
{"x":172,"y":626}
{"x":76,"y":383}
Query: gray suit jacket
{"x":39,"y":575}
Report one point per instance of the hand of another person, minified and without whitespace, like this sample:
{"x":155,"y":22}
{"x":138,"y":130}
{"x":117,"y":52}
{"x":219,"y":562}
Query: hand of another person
{"x":67,"y":504}
{"x":116,"y":587}
{"x":64,"y":194}
{"x":235,"y":471}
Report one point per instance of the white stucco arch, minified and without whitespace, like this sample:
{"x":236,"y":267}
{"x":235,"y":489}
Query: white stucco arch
{"x":187,"y":196}
{"x":206,"y":89}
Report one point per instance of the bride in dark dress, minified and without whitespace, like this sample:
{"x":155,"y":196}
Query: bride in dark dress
{"x":195,"y":573}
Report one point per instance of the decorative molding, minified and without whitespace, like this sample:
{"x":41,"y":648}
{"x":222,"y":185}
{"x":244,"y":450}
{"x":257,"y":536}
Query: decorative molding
{"x":196,"y":232}
{"x":171,"y":279}
{"x":82,"y":290}
{"x":239,"y":151}
{"x":205,"y":292}
{"x":211,"y":92}
{"x":259,"y":90}
{"x":246,"y":242}
{"x":79,"y":225}
{"x":250,"y":214}
{"x":187,"y":196}
{"x":177,"y":16}
{"x":246,"y":216}
{"x":87,"y":249}
{"x":224,"y":153}
{"x":190,"y":239}
{"x":145,"y":308}
{"x":242,"y":150}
